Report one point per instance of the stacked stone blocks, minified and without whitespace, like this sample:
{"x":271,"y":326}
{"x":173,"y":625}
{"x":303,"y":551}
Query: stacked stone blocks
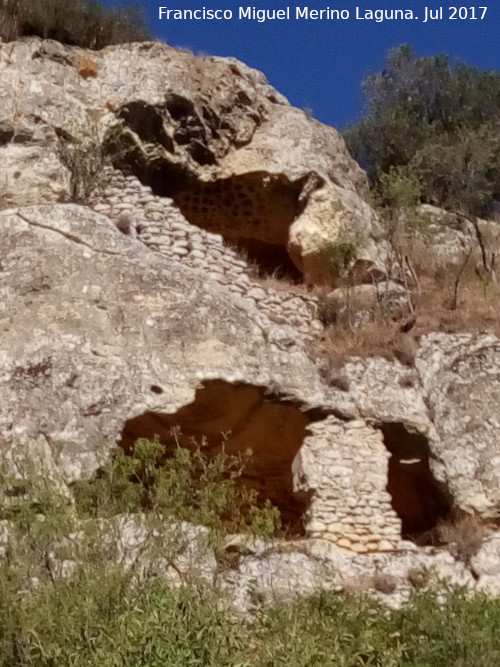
{"x":344,"y":466}
{"x":160,"y":225}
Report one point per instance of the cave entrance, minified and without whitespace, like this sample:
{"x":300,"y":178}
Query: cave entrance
{"x":242,"y":417}
{"x":169,"y":146}
{"x":252,"y":212}
{"x":418,"y":498}
{"x":269,"y":260}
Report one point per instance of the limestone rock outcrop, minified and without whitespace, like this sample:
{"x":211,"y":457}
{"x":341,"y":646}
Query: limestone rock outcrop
{"x":135,"y":311}
{"x":461,"y":376}
{"x":104,"y":341}
{"x":455,"y":236}
{"x":31,"y":175}
{"x":209,"y":132}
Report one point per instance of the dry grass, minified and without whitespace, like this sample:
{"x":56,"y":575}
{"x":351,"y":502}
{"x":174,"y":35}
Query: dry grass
{"x":269,"y":281}
{"x":364,"y":322}
{"x":377,"y":321}
{"x":464,"y":535}
{"x":449,"y":298}
{"x":373,"y":339}
{"x":443,"y":305}
{"x":476,"y":309}
{"x":84,"y":23}
{"x":278,"y":280}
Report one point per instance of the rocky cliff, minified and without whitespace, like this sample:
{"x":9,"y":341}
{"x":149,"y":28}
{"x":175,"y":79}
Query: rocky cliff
{"x":144,"y":191}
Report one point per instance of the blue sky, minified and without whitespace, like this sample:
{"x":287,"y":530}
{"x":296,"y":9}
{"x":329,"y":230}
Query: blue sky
{"x":320,"y":64}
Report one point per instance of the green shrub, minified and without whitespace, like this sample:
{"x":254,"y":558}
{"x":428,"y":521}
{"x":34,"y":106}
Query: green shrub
{"x":84,"y":23}
{"x":189,"y":486}
{"x":342,"y":251}
{"x":398,"y":189}
{"x":397,"y":197}
{"x":100,"y":622}
{"x":444,"y":626}
{"x":100,"y":617}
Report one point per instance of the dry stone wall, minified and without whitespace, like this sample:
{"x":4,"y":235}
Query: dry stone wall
{"x":344,"y":466}
{"x":158,"y":223}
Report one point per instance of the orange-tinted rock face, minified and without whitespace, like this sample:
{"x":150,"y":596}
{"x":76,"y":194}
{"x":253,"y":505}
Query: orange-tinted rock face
{"x":253,"y":205}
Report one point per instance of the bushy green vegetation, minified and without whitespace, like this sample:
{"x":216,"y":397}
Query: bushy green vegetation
{"x":430,"y":134}
{"x":433,"y":629}
{"x":102,"y":617}
{"x":438,"y":121}
{"x":102,"y":621}
{"x":84,"y":23}
{"x":342,"y":251}
{"x":187,"y":486}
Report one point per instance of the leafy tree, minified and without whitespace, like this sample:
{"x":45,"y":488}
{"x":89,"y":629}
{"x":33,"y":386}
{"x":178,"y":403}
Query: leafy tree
{"x":461,"y":171}
{"x":437,"y":119}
